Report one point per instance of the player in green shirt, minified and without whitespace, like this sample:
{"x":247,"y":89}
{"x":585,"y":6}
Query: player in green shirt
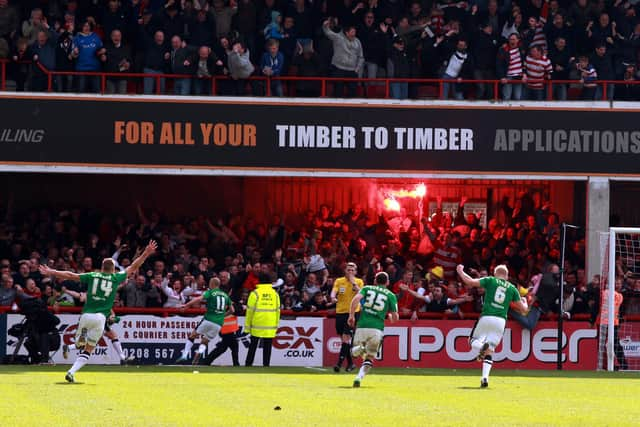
{"x":108,"y":332}
{"x":101,"y":292}
{"x":377,"y":302}
{"x":218,"y":306}
{"x":498,"y":297}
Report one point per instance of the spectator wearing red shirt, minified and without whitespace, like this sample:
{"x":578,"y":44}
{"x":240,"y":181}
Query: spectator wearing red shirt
{"x":406,"y":301}
{"x":251,"y":280}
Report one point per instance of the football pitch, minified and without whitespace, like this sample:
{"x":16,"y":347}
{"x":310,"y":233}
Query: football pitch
{"x":216,"y":396}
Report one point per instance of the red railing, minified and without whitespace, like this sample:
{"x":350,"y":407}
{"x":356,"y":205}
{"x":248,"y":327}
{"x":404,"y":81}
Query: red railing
{"x":3,"y":71}
{"x":166,"y":312}
{"x":373,"y":88}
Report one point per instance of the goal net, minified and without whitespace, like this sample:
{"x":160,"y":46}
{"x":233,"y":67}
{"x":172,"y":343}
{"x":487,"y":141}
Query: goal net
{"x":619,"y":302}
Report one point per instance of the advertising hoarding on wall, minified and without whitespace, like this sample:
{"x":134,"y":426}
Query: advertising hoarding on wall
{"x":274,"y":136}
{"x":444,"y":344}
{"x":159,"y":340}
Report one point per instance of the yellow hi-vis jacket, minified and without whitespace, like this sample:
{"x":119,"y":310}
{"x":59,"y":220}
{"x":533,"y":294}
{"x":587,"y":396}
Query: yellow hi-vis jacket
{"x":263,"y":312}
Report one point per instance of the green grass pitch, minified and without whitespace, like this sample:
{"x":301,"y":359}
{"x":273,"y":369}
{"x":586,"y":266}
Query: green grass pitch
{"x":175,"y":396}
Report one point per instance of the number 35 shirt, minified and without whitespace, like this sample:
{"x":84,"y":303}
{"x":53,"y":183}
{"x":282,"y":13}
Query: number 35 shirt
{"x":376,"y":304}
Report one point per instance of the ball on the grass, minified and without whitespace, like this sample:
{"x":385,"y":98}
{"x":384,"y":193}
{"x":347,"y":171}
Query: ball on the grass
{"x":196,"y":372}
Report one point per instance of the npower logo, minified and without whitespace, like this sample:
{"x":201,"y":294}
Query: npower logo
{"x":298,"y":341}
{"x":517,"y":346}
{"x":334,"y":344}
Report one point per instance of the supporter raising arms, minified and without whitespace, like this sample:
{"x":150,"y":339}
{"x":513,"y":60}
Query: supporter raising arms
{"x":348,"y":57}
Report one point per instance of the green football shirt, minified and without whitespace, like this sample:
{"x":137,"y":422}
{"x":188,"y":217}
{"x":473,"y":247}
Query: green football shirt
{"x":101,"y":291}
{"x":217,"y":303}
{"x":376,"y":304}
{"x":499,"y":293}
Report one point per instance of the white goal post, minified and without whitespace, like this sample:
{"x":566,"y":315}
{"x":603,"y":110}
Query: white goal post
{"x":620,"y":255}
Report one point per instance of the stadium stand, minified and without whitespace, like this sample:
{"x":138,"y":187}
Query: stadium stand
{"x":560,"y":49}
{"x":308,"y":252}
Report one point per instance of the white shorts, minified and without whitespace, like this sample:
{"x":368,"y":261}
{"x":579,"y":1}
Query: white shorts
{"x":489,"y":329}
{"x":370,"y":340}
{"x":208,"y":329}
{"x":94,"y":325}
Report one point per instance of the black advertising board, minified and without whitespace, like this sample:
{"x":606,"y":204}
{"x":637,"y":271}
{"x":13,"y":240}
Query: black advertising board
{"x":215,"y":134}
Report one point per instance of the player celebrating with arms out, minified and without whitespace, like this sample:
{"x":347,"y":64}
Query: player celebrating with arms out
{"x":488,"y":330}
{"x":378,"y":302}
{"x":101,"y":292}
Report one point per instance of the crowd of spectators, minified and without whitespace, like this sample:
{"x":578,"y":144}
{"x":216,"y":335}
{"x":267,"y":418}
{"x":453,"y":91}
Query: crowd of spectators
{"x":523,"y":43}
{"x":307,"y":251}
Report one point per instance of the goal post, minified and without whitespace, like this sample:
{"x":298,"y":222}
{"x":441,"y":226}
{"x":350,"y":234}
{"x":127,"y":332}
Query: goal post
{"x":620,"y":255}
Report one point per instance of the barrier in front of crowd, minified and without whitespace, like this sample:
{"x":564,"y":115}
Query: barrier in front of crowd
{"x":444,"y":344}
{"x":154,"y":340}
{"x":366,"y":87}
{"x":156,"y":336}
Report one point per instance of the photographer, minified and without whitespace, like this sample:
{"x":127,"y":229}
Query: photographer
{"x":39,"y":328}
